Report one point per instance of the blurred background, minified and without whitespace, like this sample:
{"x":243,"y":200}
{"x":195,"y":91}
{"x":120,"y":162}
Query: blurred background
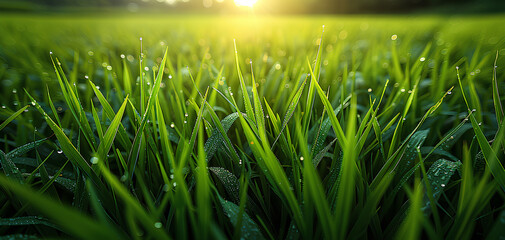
{"x":261,"y":6}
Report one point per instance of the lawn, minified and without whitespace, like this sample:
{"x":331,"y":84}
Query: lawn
{"x":136,"y":126}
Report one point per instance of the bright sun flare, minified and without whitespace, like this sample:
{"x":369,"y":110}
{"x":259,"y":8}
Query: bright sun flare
{"x":245,"y":3}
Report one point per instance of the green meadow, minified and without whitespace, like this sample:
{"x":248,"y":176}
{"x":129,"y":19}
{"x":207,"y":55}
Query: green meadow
{"x":138,"y":126}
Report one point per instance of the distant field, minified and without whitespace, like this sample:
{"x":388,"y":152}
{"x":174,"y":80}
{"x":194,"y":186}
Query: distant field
{"x":255,"y":127}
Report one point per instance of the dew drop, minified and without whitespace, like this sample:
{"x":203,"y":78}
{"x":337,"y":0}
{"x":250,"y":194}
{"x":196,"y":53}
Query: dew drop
{"x":94,"y":160}
{"x":449,"y":93}
{"x":370,"y":90}
{"x":172,"y":125}
{"x":301,"y":158}
{"x":14,"y":91}
{"x":442,"y":185}
{"x":123,"y":56}
{"x":422,"y":59}
{"x":60,"y":151}
{"x":158,"y":225}
{"x":394,"y":37}
{"x":109,"y":67}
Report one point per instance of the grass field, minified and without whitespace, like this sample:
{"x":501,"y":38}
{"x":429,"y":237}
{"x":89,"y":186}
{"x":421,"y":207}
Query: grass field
{"x":207,"y":127}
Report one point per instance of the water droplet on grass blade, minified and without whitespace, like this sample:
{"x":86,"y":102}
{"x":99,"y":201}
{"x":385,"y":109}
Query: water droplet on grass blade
{"x":158,"y":225}
{"x":94,"y":160}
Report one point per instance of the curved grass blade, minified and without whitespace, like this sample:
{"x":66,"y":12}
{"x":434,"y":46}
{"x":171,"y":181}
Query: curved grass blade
{"x":496,"y":94}
{"x":245,"y":95}
{"x":81,"y":226}
{"x":73,"y":104}
{"x":331,"y":114}
{"x":410,"y":153}
{"x":317,"y":159}
{"x":135,"y":150}
{"x":13,"y":116}
{"x":411,"y":226}
{"x":110,"y":134}
{"x":73,"y":154}
{"x":275,"y":173}
{"x":109,"y":112}
{"x":28,"y":220}
{"x":217,"y":138}
{"x":10,"y":168}
{"x":249,"y":228}
{"x":490,"y":155}
{"x":229,"y":181}
{"x":324,"y":129}
{"x":291,"y":110}
{"x":18,"y":152}
{"x":130,"y":202}
{"x":438,"y":176}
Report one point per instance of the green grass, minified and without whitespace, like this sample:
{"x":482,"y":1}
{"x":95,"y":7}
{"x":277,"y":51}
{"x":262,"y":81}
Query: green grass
{"x":376,"y":127}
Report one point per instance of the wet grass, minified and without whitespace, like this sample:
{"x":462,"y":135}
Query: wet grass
{"x":252,"y":127}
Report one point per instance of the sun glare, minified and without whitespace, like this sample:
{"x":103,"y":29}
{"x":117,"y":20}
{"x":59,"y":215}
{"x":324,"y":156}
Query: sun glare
{"x":245,"y":3}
